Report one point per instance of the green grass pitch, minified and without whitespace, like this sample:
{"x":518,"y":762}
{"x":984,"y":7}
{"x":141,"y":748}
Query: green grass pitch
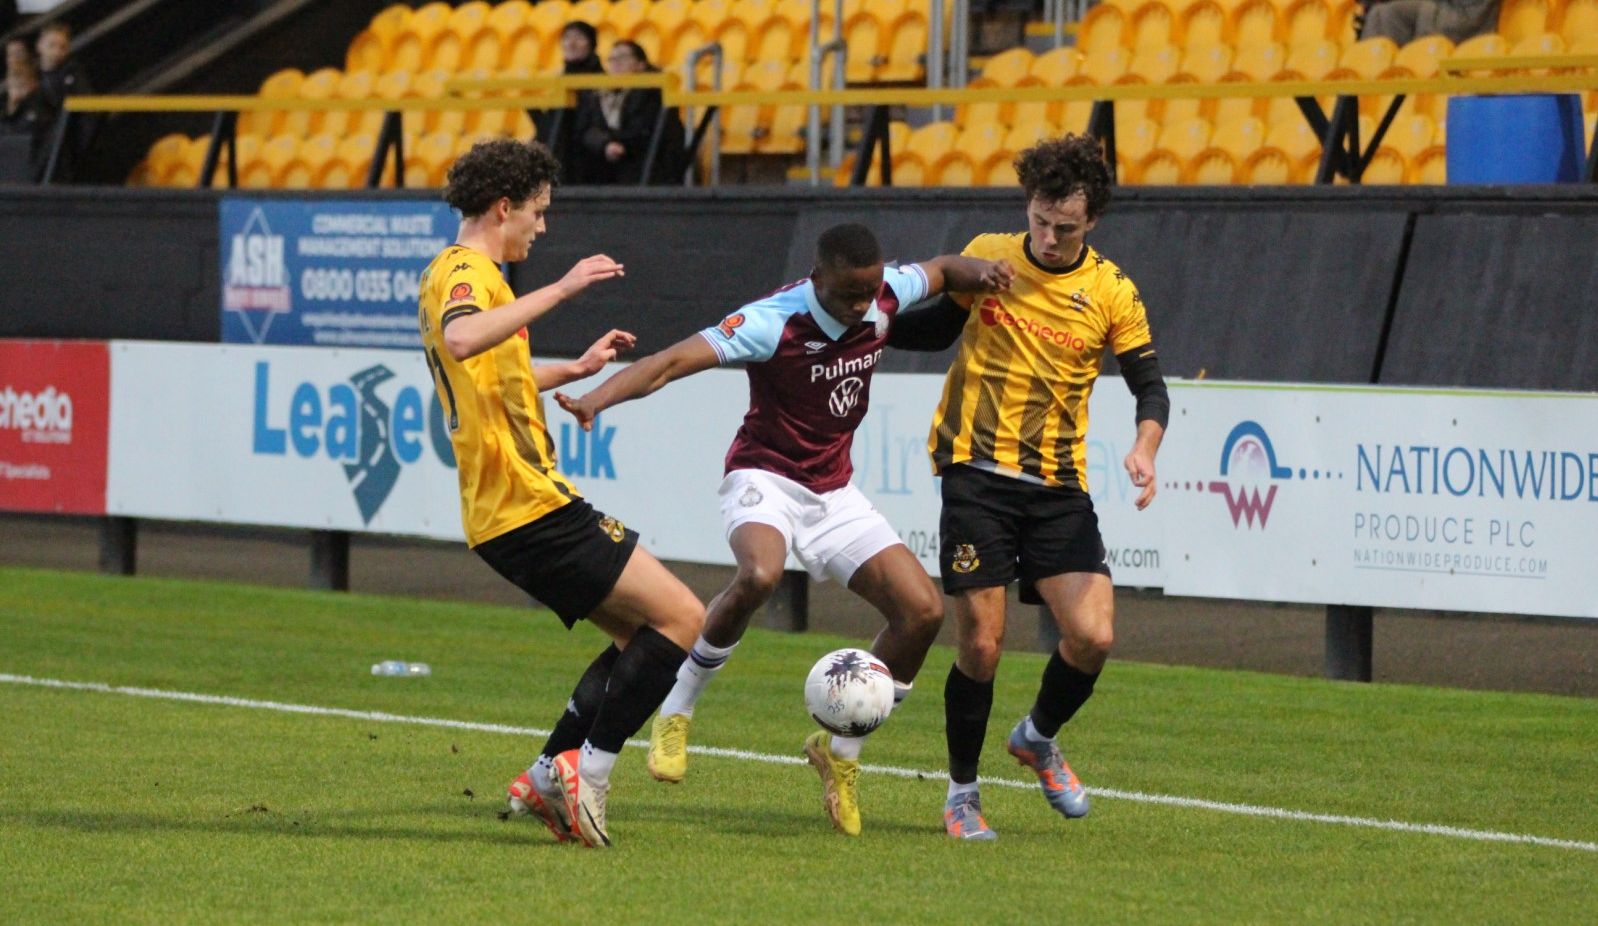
{"x":116,"y":808}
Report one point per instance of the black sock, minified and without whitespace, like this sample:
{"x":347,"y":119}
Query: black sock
{"x":572,"y":728}
{"x":966,"y":705}
{"x":640,"y":680}
{"x":1065,"y":689}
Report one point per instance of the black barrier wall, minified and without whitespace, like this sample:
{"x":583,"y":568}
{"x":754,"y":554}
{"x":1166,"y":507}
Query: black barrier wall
{"x":1406,"y":286}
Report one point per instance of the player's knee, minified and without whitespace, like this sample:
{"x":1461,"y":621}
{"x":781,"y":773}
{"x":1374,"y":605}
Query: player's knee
{"x":925,"y":613}
{"x":981,"y":657}
{"x":1091,"y":647}
{"x":756,"y":582}
{"x":680,"y":618}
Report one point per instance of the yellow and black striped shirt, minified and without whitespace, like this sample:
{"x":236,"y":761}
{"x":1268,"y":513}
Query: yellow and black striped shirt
{"x":505,"y":457}
{"x":1016,"y":397}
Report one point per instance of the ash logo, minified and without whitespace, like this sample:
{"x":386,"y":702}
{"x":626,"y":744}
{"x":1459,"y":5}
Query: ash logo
{"x":256,"y":283}
{"x":845,"y":396}
{"x":1249,"y":473}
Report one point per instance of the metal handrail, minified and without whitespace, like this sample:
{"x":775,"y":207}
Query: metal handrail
{"x":690,"y":81}
{"x":818,"y":58}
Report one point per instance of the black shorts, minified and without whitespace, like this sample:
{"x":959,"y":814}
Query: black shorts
{"x":568,"y":559}
{"x":995,"y":528}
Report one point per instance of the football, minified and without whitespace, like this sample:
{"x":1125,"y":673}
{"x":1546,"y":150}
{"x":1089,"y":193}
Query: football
{"x":849,"y":692}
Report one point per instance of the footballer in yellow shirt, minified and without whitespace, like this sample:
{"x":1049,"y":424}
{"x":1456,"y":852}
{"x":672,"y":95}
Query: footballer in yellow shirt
{"x":522,"y":516}
{"x":1008,"y":440}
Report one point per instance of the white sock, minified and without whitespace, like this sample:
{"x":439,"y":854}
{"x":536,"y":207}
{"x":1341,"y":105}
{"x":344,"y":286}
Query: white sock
{"x":540,"y":774}
{"x":702,"y":664}
{"x":595,"y":765}
{"x":847,"y":747}
{"x":1031,"y":732}
{"x":901,"y":690}
{"x":955,"y":788}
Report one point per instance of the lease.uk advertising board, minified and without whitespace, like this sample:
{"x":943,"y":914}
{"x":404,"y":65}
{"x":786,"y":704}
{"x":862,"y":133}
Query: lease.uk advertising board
{"x":54,"y":406}
{"x":329,"y":273}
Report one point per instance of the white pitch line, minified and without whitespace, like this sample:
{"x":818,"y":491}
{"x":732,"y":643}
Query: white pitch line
{"x":1250,"y":810}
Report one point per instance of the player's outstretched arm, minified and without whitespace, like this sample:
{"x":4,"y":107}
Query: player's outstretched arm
{"x":554,"y":375}
{"x":956,"y":273}
{"x":685,"y":358}
{"x":1140,"y":367}
{"x":470,"y":335}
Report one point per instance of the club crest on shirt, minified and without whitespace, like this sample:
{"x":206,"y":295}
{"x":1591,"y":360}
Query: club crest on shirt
{"x":845,"y":396}
{"x":730,"y":324}
{"x":613,"y":528}
{"x":1079,"y":301}
{"x":460,"y":291}
{"x":751,"y":497}
{"x":965,"y":558}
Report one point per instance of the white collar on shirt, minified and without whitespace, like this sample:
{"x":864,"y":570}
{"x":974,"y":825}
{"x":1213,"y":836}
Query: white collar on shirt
{"x":833,"y":328}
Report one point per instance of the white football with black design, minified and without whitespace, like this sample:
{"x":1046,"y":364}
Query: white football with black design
{"x":849,"y":692}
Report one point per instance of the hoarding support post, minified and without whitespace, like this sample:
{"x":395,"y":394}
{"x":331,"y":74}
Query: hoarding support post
{"x":330,"y":560}
{"x":1348,"y":643}
{"x":119,"y":546}
{"x":789,"y":607}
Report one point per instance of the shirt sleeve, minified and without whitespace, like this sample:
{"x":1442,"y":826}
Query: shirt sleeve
{"x":466,"y":287}
{"x":749,"y":335}
{"x":908,"y":282}
{"x":1129,"y":323}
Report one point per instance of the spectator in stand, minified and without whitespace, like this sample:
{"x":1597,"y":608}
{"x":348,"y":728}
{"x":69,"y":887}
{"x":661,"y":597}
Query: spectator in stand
{"x":8,"y":15}
{"x":27,"y":108}
{"x":61,"y":75}
{"x":579,"y":44}
{"x":1406,"y":20}
{"x":615,"y":127}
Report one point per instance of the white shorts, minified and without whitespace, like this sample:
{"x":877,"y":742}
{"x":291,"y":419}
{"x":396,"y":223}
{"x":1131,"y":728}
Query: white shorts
{"x":831,"y":534}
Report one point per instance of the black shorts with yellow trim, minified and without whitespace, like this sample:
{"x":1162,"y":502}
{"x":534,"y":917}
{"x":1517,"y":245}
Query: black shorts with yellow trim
{"x":995,"y":529}
{"x":569,"y":559}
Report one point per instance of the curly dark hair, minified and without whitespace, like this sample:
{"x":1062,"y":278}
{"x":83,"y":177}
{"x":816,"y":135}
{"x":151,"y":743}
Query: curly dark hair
{"x":496,"y":169}
{"x":1059,"y":168}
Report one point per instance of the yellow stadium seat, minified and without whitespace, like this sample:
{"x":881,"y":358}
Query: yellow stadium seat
{"x":1387,"y":167}
{"x":1177,"y":144}
{"x":1023,"y":136}
{"x":1482,"y":46}
{"x":1431,"y":167}
{"x":1412,"y":134}
{"x":1341,"y":28}
{"x":1312,"y":60}
{"x":312,"y":159}
{"x":1578,"y":20}
{"x":1420,"y":58}
{"x":1543,"y":43}
{"x":1213,"y":167}
{"x":1104,"y":66}
{"x":414,"y":43}
{"x":318,"y":85}
{"x":1102,"y":27}
{"x":430,"y":85}
{"x":1205,"y":23}
{"x":166,"y":151}
{"x":1056,"y":67}
{"x":1072,"y":116}
{"x":355,"y":154}
{"x":742,"y":125}
{"x":1365,"y":60}
{"x":1306,"y":22}
{"x":1288,"y":156}
{"x":981,"y":141}
{"x":734,"y":37}
{"x":625,"y":16}
{"x":1007,"y":68}
{"x":1259,"y":62}
{"x":536,"y":45}
{"x":778,"y":38}
{"x":1240,"y":138}
{"x":281,"y":85}
{"x":391,"y":20}
{"x":354,"y":85}
{"x":956,"y":168}
{"x":1521,"y":19}
{"x":1154,"y":24}
{"x":1001,"y":173}
{"x":866,"y":37}
{"x":906,"y":48}
{"x":451,"y":46}
{"x":428,"y":159}
{"x":909,"y":170}
{"x":787,"y":123}
{"x":930,"y":141}
{"x":1134,"y":139}
{"x":589,"y":11}
{"x":272,"y":160}
{"x":1155,"y":64}
{"x":1256,"y":22}
{"x":979,"y":113}
{"x":1206,"y":63}
{"x":367,"y":52}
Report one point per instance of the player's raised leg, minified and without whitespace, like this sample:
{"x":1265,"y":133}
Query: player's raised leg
{"x":759,"y":550}
{"x":654,"y":618}
{"x":979,"y":615}
{"x":1083,"y":606}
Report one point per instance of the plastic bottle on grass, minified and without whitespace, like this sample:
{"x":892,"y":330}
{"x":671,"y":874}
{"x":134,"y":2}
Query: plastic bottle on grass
{"x":395,"y":667}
